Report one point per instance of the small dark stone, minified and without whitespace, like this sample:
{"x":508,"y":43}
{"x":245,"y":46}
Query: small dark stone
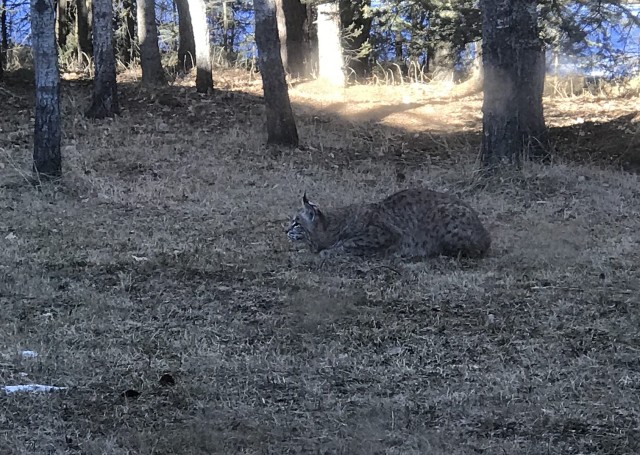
{"x":131,"y":394}
{"x":167,"y":380}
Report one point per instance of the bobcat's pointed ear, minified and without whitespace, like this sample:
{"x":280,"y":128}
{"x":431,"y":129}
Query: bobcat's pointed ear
{"x":311,"y":210}
{"x":307,"y":203}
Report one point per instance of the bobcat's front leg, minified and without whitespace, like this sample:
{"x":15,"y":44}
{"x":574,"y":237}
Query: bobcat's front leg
{"x":373,"y":239}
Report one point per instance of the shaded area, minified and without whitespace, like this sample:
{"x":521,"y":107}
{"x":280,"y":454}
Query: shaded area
{"x":422,"y":127}
{"x":612,"y":143}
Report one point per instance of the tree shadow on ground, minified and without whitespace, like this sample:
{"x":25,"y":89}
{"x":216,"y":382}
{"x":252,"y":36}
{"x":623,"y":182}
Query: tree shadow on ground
{"x":612,"y":143}
{"x":425,"y":132}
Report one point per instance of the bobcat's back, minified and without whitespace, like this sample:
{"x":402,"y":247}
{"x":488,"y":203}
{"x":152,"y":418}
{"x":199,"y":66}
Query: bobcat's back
{"x":433,"y":223}
{"x":414,"y":222}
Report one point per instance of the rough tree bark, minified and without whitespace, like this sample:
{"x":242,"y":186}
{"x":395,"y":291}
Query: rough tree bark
{"x":282,"y":33}
{"x":105,"y":90}
{"x":297,"y":40}
{"x":47,"y":133}
{"x":64,"y":22}
{"x":186,"y":42}
{"x":330,"y":60}
{"x":4,"y":41}
{"x":204,"y":78}
{"x":281,"y":126}
{"x":292,"y":15}
{"x":83,"y":31}
{"x":152,"y":72}
{"x":514,"y":67}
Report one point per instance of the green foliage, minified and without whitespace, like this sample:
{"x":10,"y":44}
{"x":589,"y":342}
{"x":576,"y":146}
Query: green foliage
{"x":587,"y":28}
{"x":231,"y":30}
{"x":420,"y":30}
{"x":356,"y":19}
{"x":424,"y":33}
{"x":68,"y":53}
{"x":416,"y":30}
{"x":167,"y":18}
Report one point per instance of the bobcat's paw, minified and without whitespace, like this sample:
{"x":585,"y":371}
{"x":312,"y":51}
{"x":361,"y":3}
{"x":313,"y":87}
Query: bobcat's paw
{"x":332,"y":252}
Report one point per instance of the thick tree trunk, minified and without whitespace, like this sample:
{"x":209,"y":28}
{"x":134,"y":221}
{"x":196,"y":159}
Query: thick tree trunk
{"x":281,"y":126}
{"x":186,"y":41}
{"x":47,"y":134}
{"x":83,"y":31}
{"x":64,"y":22}
{"x":105,"y":90}
{"x":514,"y":68}
{"x":204,"y":78}
{"x":282,"y":33}
{"x":356,"y":32}
{"x":291,"y":16}
{"x":295,"y":15}
{"x":152,"y":72}
{"x":330,"y":60}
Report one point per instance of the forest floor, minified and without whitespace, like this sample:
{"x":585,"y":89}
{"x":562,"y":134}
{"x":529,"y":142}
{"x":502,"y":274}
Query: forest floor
{"x":157,"y":285}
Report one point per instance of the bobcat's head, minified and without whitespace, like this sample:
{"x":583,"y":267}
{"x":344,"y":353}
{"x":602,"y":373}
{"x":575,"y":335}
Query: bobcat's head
{"x":305,"y":222}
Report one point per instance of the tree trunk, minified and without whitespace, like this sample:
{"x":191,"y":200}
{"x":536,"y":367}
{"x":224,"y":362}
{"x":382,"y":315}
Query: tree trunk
{"x":442,"y":57}
{"x":398,"y":48}
{"x":204,"y":78}
{"x":356,"y":29}
{"x":186,"y":43}
{"x":295,"y":15}
{"x":291,"y":16}
{"x":47,"y":134}
{"x":126,"y":49}
{"x":330,"y":61}
{"x":4,"y":41}
{"x":282,"y":33}
{"x":310,"y":34}
{"x":83,"y":31}
{"x":281,"y":126}
{"x":477,"y":58}
{"x":227,"y":41}
{"x":64,"y":22}
{"x":105,"y":90}
{"x":513,"y":61}
{"x":152,"y":72}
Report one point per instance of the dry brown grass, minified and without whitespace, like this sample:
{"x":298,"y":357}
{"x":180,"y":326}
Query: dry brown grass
{"x":163,"y":251}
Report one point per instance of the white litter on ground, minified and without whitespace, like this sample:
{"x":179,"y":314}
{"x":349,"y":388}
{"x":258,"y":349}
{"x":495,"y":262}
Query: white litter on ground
{"x":32,"y":388}
{"x":29,"y":354}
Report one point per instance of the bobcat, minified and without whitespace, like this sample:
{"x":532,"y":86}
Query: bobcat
{"x":410,"y":223}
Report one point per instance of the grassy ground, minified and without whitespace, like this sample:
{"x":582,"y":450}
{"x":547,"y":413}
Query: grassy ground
{"x":163,"y":252}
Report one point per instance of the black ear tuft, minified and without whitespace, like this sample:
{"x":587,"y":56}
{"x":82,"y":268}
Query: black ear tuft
{"x":305,"y":201}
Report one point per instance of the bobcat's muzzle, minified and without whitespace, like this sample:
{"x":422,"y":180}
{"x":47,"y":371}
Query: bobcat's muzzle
{"x":296,"y":232}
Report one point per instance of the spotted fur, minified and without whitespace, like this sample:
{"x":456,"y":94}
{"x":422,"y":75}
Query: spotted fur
{"x":412,"y":223}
